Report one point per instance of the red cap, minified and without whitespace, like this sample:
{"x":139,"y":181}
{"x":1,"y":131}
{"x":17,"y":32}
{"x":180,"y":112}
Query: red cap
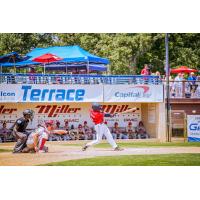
{"x":129,"y":123}
{"x":79,"y":126}
{"x":51,"y":122}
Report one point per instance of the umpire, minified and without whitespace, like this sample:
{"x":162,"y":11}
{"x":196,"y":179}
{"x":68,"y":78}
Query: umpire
{"x":19,"y":130}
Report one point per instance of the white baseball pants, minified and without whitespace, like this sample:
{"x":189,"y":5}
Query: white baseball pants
{"x":102,"y":129}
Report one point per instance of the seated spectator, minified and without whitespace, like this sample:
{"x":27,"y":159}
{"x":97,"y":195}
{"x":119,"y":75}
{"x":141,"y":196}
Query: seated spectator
{"x":66,"y":127}
{"x":88,"y":132}
{"x":57,"y":124}
{"x":73,"y":133}
{"x":81,"y":132}
{"x":116,"y":131}
{"x":141,"y":131}
{"x":67,"y":135}
{"x":130,"y":130}
{"x":4,"y":133}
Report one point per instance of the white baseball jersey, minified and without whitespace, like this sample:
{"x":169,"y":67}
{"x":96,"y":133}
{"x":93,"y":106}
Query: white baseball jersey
{"x":42,"y":133}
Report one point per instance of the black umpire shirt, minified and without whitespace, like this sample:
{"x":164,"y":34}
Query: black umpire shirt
{"x":21,"y":124}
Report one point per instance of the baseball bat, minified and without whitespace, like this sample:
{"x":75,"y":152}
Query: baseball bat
{"x":128,"y":111}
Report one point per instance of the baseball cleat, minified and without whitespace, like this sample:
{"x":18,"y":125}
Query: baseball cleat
{"x":41,"y":151}
{"x":46,"y":149}
{"x":84,"y":148}
{"x":118,"y":149}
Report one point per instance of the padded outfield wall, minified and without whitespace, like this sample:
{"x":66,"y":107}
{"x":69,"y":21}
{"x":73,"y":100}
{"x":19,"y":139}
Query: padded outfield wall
{"x":72,"y":103}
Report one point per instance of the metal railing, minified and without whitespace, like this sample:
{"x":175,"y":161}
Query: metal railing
{"x":77,"y":79}
{"x":184,"y":89}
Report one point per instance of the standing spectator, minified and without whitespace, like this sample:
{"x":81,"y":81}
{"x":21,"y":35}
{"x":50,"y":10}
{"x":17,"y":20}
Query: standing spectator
{"x":141,"y":131}
{"x":178,"y":85}
{"x":32,"y":77}
{"x":146,"y":70}
{"x":116,"y":131}
{"x":192,"y":83}
{"x":130,"y":130}
{"x":158,"y":80}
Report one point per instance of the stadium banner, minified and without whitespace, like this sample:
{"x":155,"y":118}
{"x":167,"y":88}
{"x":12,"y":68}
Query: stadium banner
{"x":50,"y":93}
{"x":193,"y":128}
{"x":133,"y":93}
{"x":74,"y":113}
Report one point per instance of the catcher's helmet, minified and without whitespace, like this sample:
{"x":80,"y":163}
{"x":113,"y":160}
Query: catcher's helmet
{"x":29,"y":113}
{"x":96,"y":106}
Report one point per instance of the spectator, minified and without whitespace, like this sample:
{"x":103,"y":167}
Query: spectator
{"x":88,"y":131}
{"x":192,"y":83}
{"x":146,"y":70}
{"x":116,"y":131}
{"x":32,"y":77}
{"x":178,"y":85}
{"x":67,"y":135}
{"x":124,"y":135}
{"x":4,"y":133}
{"x":57,"y":124}
{"x":73,"y":133}
{"x":141,"y":131}
{"x":81,"y":132}
{"x":130,"y":130}
{"x":66,"y":127}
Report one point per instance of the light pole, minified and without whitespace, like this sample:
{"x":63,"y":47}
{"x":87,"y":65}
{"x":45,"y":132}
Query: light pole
{"x":167,"y":70}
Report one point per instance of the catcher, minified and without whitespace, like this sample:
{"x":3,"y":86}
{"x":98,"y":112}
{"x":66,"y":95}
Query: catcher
{"x":19,"y":130}
{"x":37,"y":139}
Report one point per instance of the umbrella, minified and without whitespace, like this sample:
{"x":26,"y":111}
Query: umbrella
{"x":47,"y":58}
{"x":183,"y":69}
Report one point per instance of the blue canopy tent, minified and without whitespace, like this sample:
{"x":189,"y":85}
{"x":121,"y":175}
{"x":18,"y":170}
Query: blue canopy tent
{"x":57,"y":66}
{"x":92,"y":67}
{"x":23,"y":63}
{"x":70,"y":54}
{"x":10,"y":59}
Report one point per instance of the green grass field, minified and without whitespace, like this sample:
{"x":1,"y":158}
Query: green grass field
{"x":5,"y":150}
{"x":135,"y":160}
{"x":145,"y":144}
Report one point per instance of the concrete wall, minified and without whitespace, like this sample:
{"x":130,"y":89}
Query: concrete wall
{"x":153,"y":117}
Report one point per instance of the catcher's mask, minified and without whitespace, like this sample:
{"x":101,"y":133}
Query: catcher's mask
{"x":29,"y":114}
{"x":96,"y":107}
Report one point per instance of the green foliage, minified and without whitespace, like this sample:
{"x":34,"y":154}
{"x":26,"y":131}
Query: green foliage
{"x":127,"y":52}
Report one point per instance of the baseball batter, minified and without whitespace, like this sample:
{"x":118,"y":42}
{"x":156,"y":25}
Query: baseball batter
{"x":97,"y":116}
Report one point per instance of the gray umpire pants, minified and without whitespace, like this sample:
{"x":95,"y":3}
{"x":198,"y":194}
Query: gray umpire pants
{"x":21,"y":141}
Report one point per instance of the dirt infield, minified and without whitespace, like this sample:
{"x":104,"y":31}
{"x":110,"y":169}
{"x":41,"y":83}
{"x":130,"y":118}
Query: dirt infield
{"x":59,"y":152}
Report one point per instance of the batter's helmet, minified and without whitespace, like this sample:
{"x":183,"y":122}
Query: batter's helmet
{"x":96,"y":106}
{"x":29,"y":113}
